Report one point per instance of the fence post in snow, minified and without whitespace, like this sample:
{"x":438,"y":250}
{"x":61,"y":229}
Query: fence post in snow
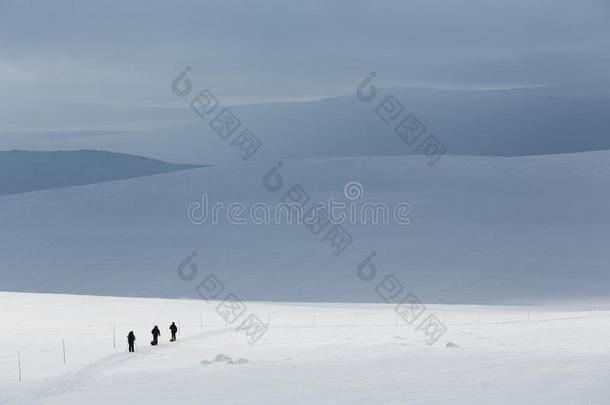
{"x":63,"y":344}
{"x":201,"y":321}
{"x":114,"y":336}
{"x":19,"y":364}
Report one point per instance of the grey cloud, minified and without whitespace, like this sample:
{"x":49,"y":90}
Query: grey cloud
{"x":128,"y":51}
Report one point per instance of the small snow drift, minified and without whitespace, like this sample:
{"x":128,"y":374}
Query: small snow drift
{"x":222,"y":358}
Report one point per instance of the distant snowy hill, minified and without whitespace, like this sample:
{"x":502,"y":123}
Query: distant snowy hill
{"x":22,"y":171}
{"x":482,"y":229}
{"x":516,"y":122}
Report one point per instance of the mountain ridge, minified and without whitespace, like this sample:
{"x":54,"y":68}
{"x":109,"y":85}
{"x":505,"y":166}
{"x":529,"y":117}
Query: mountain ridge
{"x":24,"y":171}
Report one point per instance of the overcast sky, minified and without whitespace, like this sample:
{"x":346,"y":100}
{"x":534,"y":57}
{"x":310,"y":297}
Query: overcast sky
{"x":127,"y":52}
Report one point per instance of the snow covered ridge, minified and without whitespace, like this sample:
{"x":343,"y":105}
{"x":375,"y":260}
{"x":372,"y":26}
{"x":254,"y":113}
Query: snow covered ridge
{"x":493,"y":230}
{"x":407,"y":126}
{"x":517,"y":122}
{"x":24,"y":171}
{"x":224,"y":124}
{"x":228,"y":126}
{"x":352,"y":353}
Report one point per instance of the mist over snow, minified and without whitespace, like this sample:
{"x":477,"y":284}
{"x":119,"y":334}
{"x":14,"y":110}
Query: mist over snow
{"x":468,"y":122}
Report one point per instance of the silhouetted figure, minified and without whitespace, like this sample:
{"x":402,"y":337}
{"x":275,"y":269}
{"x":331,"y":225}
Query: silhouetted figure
{"x":131,"y":339}
{"x":174,"y":329}
{"x":156,"y":333}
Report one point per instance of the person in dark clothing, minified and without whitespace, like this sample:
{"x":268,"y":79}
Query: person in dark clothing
{"x":173,"y":328}
{"x":131,"y":339}
{"x":156,"y":333}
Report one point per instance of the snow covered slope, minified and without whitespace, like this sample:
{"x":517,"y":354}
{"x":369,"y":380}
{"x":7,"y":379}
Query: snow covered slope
{"x":482,"y":230}
{"x":22,"y":171}
{"x":496,"y":122}
{"x":351,"y":354}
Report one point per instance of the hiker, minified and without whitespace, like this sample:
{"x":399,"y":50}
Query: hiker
{"x":156,"y":333}
{"x":131,"y":339}
{"x":173,"y":328}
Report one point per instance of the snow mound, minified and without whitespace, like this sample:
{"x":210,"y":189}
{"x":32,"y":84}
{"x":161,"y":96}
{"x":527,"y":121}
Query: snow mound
{"x":452,"y":345}
{"x":223,"y":358}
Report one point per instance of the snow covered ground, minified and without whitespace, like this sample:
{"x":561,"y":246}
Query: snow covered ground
{"x":527,"y":230}
{"x":311,"y":354}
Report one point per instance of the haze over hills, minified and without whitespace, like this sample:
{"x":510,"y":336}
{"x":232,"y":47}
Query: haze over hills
{"x":23,"y":171}
{"x":482,"y":229}
{"x":492,"y":225}
{"x":517,"y":122}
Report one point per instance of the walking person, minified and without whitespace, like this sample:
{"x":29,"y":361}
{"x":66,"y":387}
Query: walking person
{"x":131,"y":339}
{"x":173,"y":328}
{"x":156,"y":333}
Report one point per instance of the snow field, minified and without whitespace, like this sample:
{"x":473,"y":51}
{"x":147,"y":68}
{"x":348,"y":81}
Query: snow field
{"x":312,"y":353}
